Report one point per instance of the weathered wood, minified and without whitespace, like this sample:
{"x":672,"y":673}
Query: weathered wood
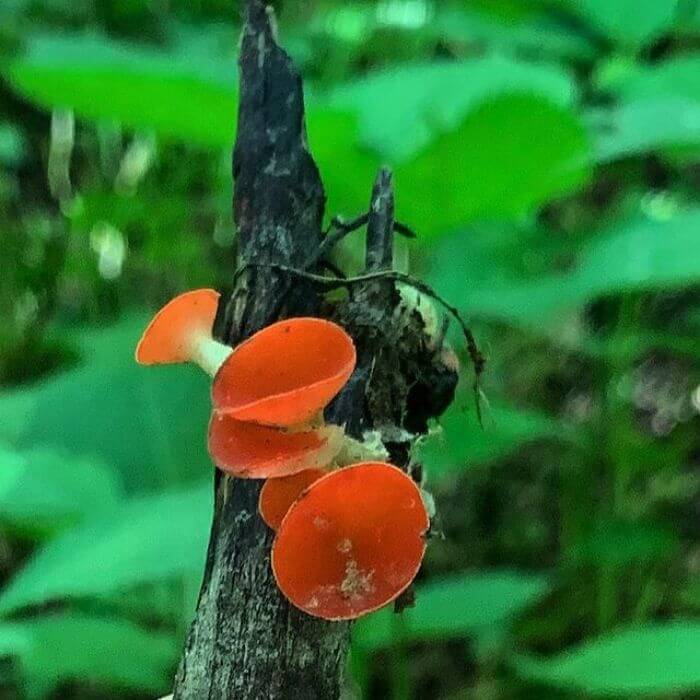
{"x":247,"y":642}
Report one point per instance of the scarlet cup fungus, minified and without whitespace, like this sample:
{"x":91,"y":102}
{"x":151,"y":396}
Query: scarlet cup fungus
{"x":182,"y":332}
{"x":252,"y":451}
{"x":349,"y":541}
{"x":285,"y":374}
{"x":352,"y":542}
{"x":277,"y":495}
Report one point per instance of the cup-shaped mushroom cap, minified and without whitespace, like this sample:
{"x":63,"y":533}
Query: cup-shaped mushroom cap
{"x":277,"y":495}
{"x":177,"y":328}
{"x":352,"y":542}
{"x":286,"y":373}
{"x":252,"y":451}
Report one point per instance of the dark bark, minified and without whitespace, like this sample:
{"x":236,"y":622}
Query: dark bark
{"x":246,"y":641}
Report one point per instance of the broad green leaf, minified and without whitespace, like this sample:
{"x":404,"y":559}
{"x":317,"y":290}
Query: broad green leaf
{"x":401,"y":110}
{"x":460,"y":443}
{"x":453,"y":607}
{"x":509,"y":155}
{"x":43,"y":491}
{"x":195,"y":100}
{"x":144,"y":540}
{"x":488,"y":270}
{"x":148,"y":422}
{"x":177,"y":95}
{"x":642,"y":254}
{"x":627,"y":22}
{"x":532,"y":35}
{"x":62,"y":648}
{"x":174,"y":95}
{"x":633,"y":254}
{"x":678,"y":76}
{"x":655,"y":659}
{"x":347,"y":171}
{"x":650,"y":124}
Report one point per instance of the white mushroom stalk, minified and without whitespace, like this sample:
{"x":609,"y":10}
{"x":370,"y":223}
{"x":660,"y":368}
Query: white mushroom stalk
{"x":208,"y":353}
{"x":182,"y":332}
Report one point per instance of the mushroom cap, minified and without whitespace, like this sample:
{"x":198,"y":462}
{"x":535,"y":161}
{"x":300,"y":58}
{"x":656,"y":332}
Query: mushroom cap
{"x":286,"y":373}
{"x":171,"y":335}
{"x":252,"y":451}
{"x":277,"y":495}
{"x":352,"y":542}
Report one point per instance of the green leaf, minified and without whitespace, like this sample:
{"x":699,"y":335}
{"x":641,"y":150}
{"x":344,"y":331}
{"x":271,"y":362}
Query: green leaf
{"x":42,"y":491}
{"x":637,"y":253}
{"x":648,"y":660}
{"x":637,"y":127}
{"x":176,"y":94}
{"x":144,"y":540}
{"x":190,"y":99}
{"x":57,"y":649}
{"x":460,"y":443}
{"x":642,"y":254}
{"x":453,"y":607}
{"x":532,"y":35}
{"x":195,"y":100}
{"x":536,"y":35}
{"x":628,"y":22}
{"x":397,"y":121}
{"x":510,"y":155}
{"x":678,"y":76}
{"x":148,"y":422}
{"x":346,"y":170}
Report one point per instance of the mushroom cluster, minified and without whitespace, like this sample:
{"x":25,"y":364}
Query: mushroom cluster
{"x":349,"y":538}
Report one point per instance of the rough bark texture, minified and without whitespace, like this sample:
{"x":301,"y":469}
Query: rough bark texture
{"x":246,"y":641}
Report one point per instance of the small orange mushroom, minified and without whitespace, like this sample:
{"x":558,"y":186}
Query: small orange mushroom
{"x":277,"y":495}
{"x":285,"y":374}
{"x":253,"y":451}
{"x":182,"y":332}
{"x":352,"y":542}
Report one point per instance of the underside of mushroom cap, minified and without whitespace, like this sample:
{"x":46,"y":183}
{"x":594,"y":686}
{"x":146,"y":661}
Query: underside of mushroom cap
{"x":286,"y":373}
{"x":252,"y":451}
{"x":277,"y":495}
{"x":352,"y":542}
{"x":173,"y":333}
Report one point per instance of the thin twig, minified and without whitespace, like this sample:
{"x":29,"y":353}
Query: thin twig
{"x":339,"y":229}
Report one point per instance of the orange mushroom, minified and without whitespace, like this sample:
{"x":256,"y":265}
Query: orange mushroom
{"x":253,"y":451}
{"x":352,"y":542}
{"x":277,"y":495}
{"x":285,"y":374}
{"x":182,"y":332}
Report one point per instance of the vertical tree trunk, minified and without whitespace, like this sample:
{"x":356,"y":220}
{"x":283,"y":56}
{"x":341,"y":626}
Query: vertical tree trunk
{"x":247,"y":642}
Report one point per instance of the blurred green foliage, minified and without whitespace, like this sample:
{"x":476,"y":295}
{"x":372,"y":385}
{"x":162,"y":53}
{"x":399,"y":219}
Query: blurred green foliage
{"x":548,"y":154}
